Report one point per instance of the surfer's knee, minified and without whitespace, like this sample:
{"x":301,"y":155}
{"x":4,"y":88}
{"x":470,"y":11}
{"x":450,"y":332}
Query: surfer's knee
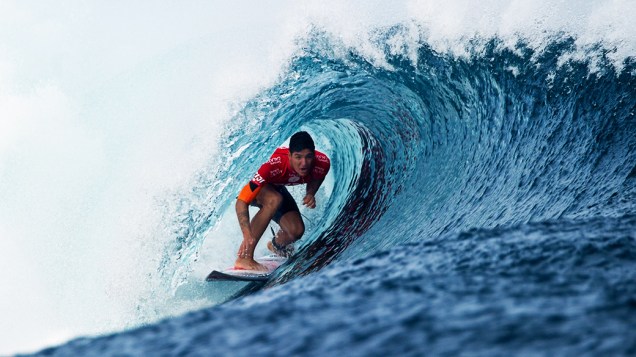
{"x":296,"y":231}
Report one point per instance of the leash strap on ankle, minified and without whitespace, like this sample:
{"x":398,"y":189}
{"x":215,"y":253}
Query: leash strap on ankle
{"x":278,"y":247}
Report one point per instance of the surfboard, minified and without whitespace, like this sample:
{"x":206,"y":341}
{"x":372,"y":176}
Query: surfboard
{"x":271,"y":262}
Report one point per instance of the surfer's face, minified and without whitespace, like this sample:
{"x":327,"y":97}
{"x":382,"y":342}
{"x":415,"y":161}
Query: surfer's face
{"x":302,"y":161}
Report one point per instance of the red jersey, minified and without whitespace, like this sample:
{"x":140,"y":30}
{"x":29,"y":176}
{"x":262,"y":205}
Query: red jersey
{"x":278,"y":171}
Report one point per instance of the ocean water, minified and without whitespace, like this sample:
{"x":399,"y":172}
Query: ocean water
{"x":482,"y":198}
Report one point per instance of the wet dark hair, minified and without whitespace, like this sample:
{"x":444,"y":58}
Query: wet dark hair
{"x":301,"y":141}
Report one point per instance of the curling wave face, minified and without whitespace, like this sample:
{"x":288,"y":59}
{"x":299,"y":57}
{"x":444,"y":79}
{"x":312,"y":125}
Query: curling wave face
{"x":504,"y":137}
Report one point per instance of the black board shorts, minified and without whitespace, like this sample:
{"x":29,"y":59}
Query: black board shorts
{"x":288,"y":204}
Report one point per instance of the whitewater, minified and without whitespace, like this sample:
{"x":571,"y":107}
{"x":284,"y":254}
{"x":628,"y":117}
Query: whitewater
{"x":482,"y":197}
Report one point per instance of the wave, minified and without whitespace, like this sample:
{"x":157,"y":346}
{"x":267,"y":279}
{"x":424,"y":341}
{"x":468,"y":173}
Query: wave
{"x":462,"y":117}
{"x":430,"y":146}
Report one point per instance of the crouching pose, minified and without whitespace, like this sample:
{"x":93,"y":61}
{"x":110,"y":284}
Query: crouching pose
{"x":299,"y":164}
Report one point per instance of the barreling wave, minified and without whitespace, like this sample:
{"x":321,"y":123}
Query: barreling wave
{"x":433,"y":145}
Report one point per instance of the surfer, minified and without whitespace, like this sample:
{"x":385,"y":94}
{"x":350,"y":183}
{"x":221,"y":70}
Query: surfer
{"x":299,"y":164}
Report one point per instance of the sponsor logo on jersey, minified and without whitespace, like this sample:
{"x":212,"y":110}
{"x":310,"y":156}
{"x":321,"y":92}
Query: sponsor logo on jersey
{"x":319,"y":170}
{"x":275,"y":172}
{"x":258,"y":178}
{"x":322,"y":158}
{"x":275,"y":160}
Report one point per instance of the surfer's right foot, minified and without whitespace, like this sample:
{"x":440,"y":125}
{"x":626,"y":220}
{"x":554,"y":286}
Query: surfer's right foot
{"x":248,"y":264}
{"x":285,"y":252}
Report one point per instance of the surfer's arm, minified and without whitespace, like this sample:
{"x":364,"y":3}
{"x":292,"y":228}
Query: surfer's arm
{"x":246,"y":251}
{"x":312,"y":188}
{"x":247,"y":194}
{"x":243,"y":215}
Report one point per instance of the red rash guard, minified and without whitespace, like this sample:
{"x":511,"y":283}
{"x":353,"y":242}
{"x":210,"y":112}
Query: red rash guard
{"x":278,"y":171}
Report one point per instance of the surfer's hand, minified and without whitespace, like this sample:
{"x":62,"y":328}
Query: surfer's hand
{"x":246,"y":250}
{"x":309,"y":201}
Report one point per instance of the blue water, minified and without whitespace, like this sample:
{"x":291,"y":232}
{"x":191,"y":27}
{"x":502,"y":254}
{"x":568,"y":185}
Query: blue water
{"x":478,"y":205}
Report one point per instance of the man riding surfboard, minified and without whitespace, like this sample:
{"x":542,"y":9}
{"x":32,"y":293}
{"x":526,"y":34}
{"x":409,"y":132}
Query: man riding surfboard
{"x":299,"y":164}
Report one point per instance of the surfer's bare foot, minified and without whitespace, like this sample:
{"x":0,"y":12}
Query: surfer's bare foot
{"x":249,"y":264}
